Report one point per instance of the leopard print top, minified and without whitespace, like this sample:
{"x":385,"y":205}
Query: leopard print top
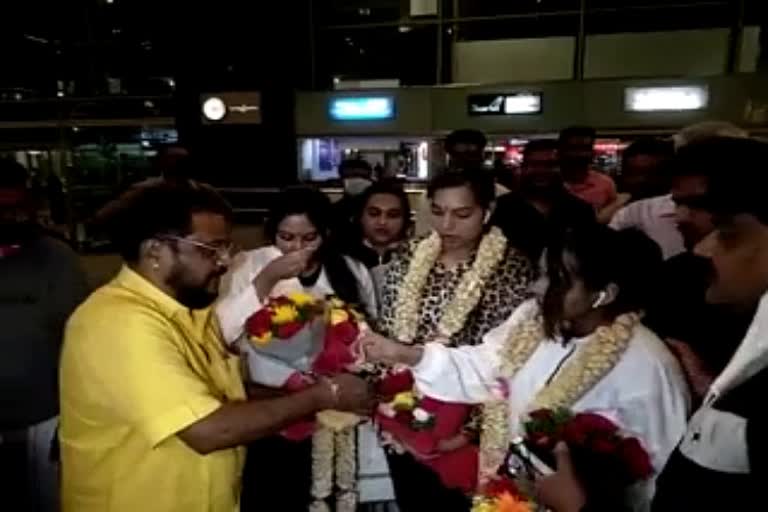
{"x":508,"y":288}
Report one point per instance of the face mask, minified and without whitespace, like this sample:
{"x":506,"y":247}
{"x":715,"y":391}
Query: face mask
{"x":356,"y":186}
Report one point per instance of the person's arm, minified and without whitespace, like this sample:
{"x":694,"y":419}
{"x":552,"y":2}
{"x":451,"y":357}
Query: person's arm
{"x":235,"y":424}
{"x":238,"y":298}
{"x":151,"y":386}
{"x":612,"y":202}
{"x":365,"y":286}
{"x":617,"y":216}
{"x":562,"y":491}
{"x":467,"y":374}
{"x":244,"y":291}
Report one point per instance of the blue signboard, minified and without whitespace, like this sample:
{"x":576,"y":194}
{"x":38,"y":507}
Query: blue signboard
{"x":372,"y":108}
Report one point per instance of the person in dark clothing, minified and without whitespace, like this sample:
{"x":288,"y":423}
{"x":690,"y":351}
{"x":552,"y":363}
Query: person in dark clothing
{"x":356,"y":176}
{"x":643,"y":165}
{"x":543,"y":208}
{"x":722,"y":460}
{"x":465,"y":149}
{"x":41,"y":283}
{"x":704,"y":336}
{"x":382,"y":224}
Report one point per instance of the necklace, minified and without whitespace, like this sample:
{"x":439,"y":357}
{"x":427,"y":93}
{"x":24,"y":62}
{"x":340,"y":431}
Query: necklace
{"x":466,"y":296}
{"x":598,"y":356}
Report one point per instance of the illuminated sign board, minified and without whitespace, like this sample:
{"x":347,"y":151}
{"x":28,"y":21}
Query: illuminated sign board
{"x":242,"y":107}
{"x":504,"y":104}
{"x":372,"y":108}
{"x":666,"y":99}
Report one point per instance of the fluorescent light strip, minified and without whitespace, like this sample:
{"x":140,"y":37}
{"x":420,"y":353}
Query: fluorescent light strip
{"x":666,"y":99}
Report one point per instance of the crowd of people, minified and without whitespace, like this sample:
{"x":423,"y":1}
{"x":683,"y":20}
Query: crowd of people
{"x":552,"y":287}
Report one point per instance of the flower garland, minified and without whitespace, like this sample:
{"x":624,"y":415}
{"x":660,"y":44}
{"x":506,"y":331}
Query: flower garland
{"x":593,"y":362}
{"x":334,"y":453}
{"x":466,"y":296}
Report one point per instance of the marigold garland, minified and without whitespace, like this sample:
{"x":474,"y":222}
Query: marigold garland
{"x":468,"y":292}
{"x":598,"y":356}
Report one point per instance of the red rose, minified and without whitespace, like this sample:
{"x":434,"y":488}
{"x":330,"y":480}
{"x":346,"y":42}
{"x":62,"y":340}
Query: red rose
{"x":289,"y":330}
{"x":344,"y":332}
{"x":540,"y":440}
{"x":282,"y":300}
{"x":604,"y":445}
{"x":542,"y":415}
{"x":259,"y":323}
{"x":334,"y":358}
{"x":404,"y":417}
{"x":585,"y":425}
{"x":499,"y":486}
{"x":635,"y":458}
{"x":395,"y":383}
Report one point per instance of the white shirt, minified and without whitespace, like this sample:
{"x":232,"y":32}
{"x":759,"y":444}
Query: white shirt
{"x":656,"y":218}
{"x":645,"y":393}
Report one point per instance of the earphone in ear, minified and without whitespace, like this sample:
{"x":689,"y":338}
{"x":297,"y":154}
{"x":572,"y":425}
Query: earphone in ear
{"x":600,"y":299}
{"x":487,"y":217}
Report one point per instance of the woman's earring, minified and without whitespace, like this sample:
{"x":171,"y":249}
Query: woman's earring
{"x":600,"y":299}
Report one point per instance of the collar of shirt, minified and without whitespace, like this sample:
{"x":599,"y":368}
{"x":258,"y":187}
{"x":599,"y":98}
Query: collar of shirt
{"x":750,"y":358}
{"x":133,"y":281}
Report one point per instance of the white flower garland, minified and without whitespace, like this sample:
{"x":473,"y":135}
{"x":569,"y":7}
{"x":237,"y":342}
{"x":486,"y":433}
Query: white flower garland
{"x":334,"y":452}
{"x":468,"y":292}
{"x":598,"y":356}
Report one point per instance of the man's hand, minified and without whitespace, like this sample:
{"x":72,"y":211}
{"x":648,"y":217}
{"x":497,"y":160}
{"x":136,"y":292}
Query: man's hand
{"x":379,"y":349}
{"x":353,"y":394}
{"x":562,"y":491}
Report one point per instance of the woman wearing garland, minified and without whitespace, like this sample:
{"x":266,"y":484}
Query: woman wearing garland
{"x":300,"y":259}
{"x":579,"y":346}
{"x":450,"y":288}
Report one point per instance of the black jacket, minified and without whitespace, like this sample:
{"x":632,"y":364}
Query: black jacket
{"x":529,"y":231}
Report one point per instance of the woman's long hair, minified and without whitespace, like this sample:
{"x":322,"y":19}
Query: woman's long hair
{"x":318,"y":209}
{"x":626,"y":258}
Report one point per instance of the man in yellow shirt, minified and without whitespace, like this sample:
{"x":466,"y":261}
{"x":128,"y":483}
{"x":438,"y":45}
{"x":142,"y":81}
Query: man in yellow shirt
{"x":153,"y":410}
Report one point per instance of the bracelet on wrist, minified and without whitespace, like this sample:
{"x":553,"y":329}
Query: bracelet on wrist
{"x":333,"y":387}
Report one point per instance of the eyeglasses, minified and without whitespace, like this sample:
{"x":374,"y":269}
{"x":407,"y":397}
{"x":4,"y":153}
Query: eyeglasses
{"x":220,"y":253}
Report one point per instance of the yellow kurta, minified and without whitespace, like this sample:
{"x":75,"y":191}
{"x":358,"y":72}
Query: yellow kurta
{"x":137,"y":368}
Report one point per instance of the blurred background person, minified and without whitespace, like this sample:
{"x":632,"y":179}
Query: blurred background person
{"x":645,"y":180}
{"x":301,"y":257}
{"x":576,"y":153}
{"x":422,"y":301}
{"x":643,"y":166}
{"x":383,"y":223}
{"x":465,"y":149}
{"x":704,"y":335}
{"x":41,"y":284}
{"x":705,"y":130}
{"x":541,"y":208}
{"x":356,"y":176}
